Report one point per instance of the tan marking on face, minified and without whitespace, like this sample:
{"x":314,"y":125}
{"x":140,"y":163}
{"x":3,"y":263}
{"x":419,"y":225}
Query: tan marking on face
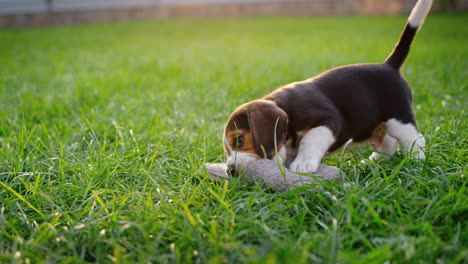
{"x":247,"y":146}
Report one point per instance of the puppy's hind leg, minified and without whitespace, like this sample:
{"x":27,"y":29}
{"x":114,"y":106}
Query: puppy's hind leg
{"x":408,"y":136}
{"x":388,"y":146}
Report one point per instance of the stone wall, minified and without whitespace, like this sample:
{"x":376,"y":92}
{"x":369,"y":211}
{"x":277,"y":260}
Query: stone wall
{"x":244,"y":8}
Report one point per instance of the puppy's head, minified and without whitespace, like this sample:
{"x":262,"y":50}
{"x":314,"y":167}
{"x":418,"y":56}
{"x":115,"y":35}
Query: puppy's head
{"x":250,"y":133}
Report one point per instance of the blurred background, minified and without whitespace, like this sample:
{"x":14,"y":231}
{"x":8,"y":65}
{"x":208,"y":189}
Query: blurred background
{"x":21,"y":13}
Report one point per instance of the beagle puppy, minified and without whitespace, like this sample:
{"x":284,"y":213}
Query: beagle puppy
{"x":359,"y":103}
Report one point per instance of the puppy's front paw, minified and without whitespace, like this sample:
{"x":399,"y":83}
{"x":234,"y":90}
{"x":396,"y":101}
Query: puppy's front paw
{"x":304,"y":165}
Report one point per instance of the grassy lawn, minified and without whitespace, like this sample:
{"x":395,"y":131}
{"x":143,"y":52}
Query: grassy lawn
{"x":105,"y":129}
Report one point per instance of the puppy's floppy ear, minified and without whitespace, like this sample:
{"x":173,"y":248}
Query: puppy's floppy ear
{"x":264,"y":116}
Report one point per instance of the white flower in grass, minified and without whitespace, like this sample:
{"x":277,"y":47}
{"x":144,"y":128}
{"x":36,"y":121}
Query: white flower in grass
{"x":79,"y":226}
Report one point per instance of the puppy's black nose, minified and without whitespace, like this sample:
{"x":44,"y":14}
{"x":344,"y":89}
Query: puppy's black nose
{"x":231,"y":170}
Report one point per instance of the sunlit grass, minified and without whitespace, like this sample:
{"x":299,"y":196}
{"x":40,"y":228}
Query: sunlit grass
{"x":105,"y":129}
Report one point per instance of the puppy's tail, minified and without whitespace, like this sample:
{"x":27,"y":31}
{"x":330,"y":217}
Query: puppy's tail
{"x":415,"y":21}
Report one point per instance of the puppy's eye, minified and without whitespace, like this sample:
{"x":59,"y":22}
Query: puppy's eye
{"x":239,"y":141}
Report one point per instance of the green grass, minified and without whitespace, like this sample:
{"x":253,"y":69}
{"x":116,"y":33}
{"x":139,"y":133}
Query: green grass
{"x":105,"y":129}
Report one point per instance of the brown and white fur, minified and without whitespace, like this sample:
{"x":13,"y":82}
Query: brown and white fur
{"x":359,"y":103}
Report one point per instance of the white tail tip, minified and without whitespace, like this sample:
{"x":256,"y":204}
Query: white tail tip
{"x":419,"y":12}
